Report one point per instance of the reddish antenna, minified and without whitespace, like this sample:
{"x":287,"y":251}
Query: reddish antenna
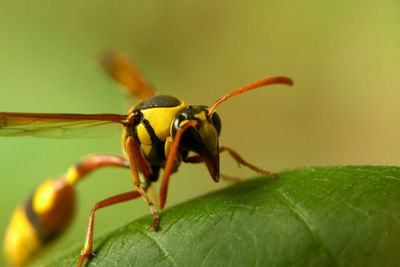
{"x":251,"y":86}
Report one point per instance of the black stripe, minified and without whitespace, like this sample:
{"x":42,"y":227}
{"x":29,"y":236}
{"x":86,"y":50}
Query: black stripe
{"x":43,"y":234}
{"x":32,"y":216}
{"x":157,"y":155}
{"x":150,"y":130}
{"x":157,"y":144}
{"x":78,"y":166}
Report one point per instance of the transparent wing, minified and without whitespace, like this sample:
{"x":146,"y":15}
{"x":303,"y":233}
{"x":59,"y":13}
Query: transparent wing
{"x":59,"y":125}
{"x":123,"y":71}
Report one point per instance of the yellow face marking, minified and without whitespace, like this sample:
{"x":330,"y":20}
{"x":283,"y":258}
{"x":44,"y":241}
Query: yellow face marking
{"x":207,"y":132}
{"x":182,"y":123}
{"x":201,"y":116}
{"x":21,"y":240}
{"x":43,"y":200}
{"x":209,"y":136}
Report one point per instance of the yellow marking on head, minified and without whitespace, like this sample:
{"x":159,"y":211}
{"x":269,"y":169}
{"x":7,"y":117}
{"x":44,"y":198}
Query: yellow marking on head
{"x":209,"y":136}
{"x":207,"y":132}
{"x":21,"y":240}
{"x":43,"y":199}
{"x":182,"y":123}
{"x":72,"y":176}
{"x":201,"y":116}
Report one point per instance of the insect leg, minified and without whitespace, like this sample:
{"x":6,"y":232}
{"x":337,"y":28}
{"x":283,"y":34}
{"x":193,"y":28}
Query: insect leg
{"x":151,"y":191}
{"x":134,"y":159}
{"x":87,"y":248}
{"x":170,"y":162}
{"x":91,"y":163}
{"x":241,"y":161}
{"x":193,"y":159}
{"x":232,"y":179}
{"x":237,"y":158}
{"x":48,"y":211}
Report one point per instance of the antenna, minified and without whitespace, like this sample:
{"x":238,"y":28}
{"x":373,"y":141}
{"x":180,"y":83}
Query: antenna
{"x":251,"y":86}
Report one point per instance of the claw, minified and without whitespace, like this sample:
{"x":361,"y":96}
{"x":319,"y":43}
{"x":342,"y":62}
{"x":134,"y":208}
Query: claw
{"x":85,"y":254}
{"x":155,"y":225}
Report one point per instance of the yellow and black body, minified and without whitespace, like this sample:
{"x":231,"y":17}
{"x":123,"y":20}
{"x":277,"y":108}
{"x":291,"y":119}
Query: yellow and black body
{"x":156,"y":121}
{"x":49,"y":210}
{"x":151,"y":129}
{"x":159,"y":133}
{"x":45,"y":214}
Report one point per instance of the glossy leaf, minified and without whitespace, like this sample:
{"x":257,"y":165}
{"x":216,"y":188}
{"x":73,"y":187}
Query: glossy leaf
{"x":333,"y":216}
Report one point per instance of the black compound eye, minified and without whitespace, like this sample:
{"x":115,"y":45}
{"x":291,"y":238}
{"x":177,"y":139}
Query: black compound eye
{"x":217,"y":122}
{"x":184,"y":115}
{"x":177,"y":122}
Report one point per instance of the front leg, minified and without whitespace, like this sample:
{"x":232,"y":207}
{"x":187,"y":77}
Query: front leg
{"x":135,"y":158}
{"x":170,"y":162}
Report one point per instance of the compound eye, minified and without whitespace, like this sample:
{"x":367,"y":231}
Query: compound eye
{"x":177,"y":121}
{"x":217,"y":122}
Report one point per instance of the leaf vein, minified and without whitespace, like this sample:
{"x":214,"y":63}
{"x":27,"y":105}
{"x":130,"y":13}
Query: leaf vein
{"x":155,"y":241}
{"x":302,"y":218}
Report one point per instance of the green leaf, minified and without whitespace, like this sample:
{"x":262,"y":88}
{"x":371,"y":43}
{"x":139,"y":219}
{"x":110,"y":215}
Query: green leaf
{"x":334,"y":216}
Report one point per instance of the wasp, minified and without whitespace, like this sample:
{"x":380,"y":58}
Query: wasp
{"x":160,"y":132}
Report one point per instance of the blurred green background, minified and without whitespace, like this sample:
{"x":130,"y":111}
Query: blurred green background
{"x":343,"y":55}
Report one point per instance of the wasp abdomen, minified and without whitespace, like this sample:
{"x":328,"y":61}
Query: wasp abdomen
{"x":46,"y":213}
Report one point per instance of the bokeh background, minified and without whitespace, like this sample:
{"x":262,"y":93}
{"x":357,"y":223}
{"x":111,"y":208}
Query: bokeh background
{"x":343,"y":55}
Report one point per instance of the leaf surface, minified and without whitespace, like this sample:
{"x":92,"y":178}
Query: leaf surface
{"x":324,"y":216}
